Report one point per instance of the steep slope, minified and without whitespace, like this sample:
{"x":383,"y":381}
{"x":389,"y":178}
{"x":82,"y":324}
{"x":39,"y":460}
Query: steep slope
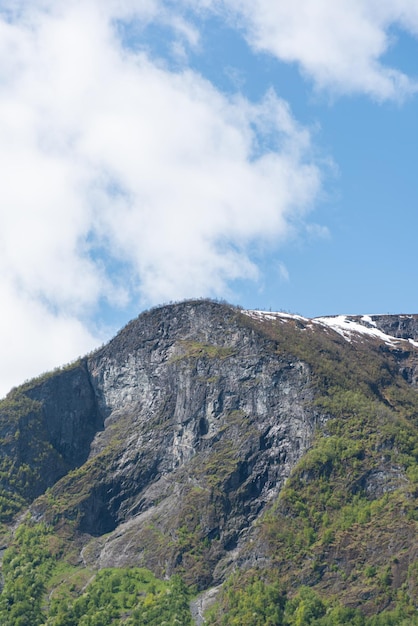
{"x":204,"y":423}
{"x":46,"y":428}
{"x":204,"y":438}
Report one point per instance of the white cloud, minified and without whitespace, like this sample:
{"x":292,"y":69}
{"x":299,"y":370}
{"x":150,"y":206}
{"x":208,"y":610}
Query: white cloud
{"x":283,"y":272}
{"x":339,"y":44}
{"x":109,"y":160}
{"x":33,"y":339}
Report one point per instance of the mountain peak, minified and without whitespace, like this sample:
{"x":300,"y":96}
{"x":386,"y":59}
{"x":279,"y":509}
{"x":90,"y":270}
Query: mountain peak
{"x":204,"y":438}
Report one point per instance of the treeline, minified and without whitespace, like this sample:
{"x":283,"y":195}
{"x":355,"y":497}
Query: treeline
{"x":258,"y":603}
{"x":26,"y":568}
{"x":133,"y":597}
{"x":31,"y":596}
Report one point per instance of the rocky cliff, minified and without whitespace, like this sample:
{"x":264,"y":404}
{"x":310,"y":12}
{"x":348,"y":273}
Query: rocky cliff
{"x":204,"y":438}
{"x":203,"y":422}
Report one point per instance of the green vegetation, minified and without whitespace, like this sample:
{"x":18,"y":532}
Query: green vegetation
{"x":334,"y":522}
{"x":198,"y":350}
{"x":27,"y":565}
{"x":40,"y":590}
{"x":255,"y":602}
{"x":133,"y":597}
{"x":19,"y":422}
{"x":346,"y":518}
{"x":338,"y":546}
{"x":248,"y":601}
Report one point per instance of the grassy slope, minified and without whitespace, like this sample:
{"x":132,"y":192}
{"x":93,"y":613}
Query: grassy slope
{"x":345,"y":523}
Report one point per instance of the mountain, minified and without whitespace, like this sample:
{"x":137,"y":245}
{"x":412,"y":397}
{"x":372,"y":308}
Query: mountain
{"x":231,"y":458}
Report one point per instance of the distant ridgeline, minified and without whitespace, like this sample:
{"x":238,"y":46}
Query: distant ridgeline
{"x":212,"y":465}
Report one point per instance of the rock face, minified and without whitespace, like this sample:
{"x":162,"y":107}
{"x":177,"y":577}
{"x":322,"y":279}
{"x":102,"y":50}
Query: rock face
{"x":210,"y":421}
{"x":70,"y":413}
{"x":46,"y":429}
{"x":167,"y":447}
{"x":400,"y":326}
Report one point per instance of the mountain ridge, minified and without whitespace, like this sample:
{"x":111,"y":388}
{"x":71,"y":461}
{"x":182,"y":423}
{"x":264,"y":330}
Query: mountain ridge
{"x":204,"y":439}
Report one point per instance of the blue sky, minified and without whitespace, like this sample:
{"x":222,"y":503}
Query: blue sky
{"x":255,"y":151}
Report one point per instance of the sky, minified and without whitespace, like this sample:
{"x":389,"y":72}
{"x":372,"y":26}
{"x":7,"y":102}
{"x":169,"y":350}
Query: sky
{"x":255,"y":151}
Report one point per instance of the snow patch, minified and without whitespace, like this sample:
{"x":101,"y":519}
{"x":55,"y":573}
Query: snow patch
{"x":368,"y":320}
{"x":345,"y":326}
{"x":274,"y":315}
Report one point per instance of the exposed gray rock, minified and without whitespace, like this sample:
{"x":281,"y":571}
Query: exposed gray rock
{"x":46,"y":430}
{"x":69,"y":411}
{"x":194,"y":392}
{"x":185,"y":427}
{"x":400,"y":326}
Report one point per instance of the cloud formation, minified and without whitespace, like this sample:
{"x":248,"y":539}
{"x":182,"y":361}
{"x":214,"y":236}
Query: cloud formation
{"x":122,"y":180}
{"x":339,"y":45}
